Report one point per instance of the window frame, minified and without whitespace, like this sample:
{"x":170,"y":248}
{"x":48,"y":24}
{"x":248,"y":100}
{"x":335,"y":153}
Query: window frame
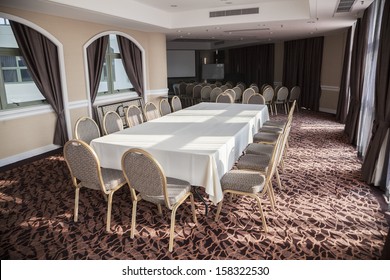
{"x":4,"y":105}
{"x":108,"y":72}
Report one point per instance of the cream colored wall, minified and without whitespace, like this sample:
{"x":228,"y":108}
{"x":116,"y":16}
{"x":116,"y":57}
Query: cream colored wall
{"x":74,"y":35}
{"x":332,"y":65}
{"x":25,"y":134}
{"x":157,"y":66}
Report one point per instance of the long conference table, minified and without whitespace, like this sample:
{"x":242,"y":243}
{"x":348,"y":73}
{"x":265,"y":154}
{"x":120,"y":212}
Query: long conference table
{"x":198,"y":144}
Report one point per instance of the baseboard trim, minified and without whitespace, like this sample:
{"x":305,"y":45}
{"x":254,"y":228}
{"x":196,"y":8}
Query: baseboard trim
{"x":327,"y":110}
{"x":28,"y":154}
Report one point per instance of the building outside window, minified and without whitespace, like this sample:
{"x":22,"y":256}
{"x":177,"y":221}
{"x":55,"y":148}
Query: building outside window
{"x":17,"y":89}
{"x":114,"y":78}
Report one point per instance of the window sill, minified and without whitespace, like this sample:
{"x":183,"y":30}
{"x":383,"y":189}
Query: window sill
{"x":103,"y":99}
{"x":23,"y":112}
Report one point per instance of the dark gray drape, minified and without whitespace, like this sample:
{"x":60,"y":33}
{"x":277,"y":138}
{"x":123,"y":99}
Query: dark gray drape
{"x":41,"y":57}
{"x":302,"y":67}
{"x":96,"y":55}
{"x":382,"y":105}
{"x":132,"y":61}
{"x":254,"y":64}
{"x":342,"y":105}
{"x":357,"y":77}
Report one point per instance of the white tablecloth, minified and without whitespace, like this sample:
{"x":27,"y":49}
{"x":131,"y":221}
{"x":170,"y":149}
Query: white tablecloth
{"x":198,"y":144}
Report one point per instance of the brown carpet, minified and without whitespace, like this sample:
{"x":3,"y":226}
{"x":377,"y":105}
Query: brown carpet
{"x":325,"y":211}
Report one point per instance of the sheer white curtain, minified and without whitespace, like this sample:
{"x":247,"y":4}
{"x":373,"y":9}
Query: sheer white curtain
{"x":367,"y":111}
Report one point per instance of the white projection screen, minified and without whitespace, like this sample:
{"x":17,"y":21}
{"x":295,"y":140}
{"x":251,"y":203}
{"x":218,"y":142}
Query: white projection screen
{"x":181,"y":63}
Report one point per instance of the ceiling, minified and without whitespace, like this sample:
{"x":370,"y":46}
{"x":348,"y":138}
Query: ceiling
{"x":190,"y":21}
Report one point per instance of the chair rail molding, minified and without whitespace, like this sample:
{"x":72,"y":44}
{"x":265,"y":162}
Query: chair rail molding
{"x":330,"y":88}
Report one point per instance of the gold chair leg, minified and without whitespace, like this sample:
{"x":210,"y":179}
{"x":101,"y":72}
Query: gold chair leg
{"x":193,"y":208}
{"x":218,"y":210}
{"x":261,"y":213}
{"x":133,"y":215}
{"x":109,"y":208}
{"x":278,"y":179}
{"x":172,"y":229}
{"x":272,"y":194}
{"x":159,"y":209}
{"x":76,"y":204}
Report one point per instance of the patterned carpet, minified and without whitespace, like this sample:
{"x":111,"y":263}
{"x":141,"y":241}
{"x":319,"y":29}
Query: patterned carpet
{"x":324,"y":211}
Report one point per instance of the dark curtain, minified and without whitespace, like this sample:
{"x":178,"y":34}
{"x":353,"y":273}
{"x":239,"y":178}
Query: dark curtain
{"x":382,"y":106}
{"x":254,"y":64}
{"x":302,"y":67}
{"x":357,"y":77}
{"x":96,"y":55}
{"x":342,"y":105}
{"x":41,"y":57}
{"x":132,"y":61}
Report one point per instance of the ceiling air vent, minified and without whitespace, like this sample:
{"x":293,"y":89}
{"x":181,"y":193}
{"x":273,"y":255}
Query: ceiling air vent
{"x":238,"y":12}
{"x":345,"y":6}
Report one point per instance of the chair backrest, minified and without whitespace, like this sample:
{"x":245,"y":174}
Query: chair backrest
{"x":134,"y":116}
{"x":86,"y":129}
{"x":151,"y":111}
{"x":231,"y":92}
{"x":274,"y":160}
{"x":205,"y":93}
{"x":225,"y":87}
{"x":246,"y":94}
{"x":255,"y":88}
{"x":242,"y":86}
{"x":176,"y":104}
{"x":238,"y":92}
{"x":189,"y":89}
{"x":83,"y":164}
{"x":295,"y":93}
{"x":276,"y":89}
{"x":196,"y":92}
{"x":112,"y":122}
{"x":164,"y":106}
{"x":182,"y":88}
{"x":214,"y":93}
{"x":176,"y":89}
{"x":268,"y":94}
{"x":282,"y":94}
{"x":263,"y":87}
{"x":144,"y":174}
{"x":224,"y":97}
{"x":256,"y":99}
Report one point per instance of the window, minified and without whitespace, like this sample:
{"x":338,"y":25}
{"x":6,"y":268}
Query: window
{"x":114,"y":78}
{"x":17,"y":89}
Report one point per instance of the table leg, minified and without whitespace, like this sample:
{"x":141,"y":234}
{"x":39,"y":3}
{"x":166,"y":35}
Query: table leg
{"x":202,"y":199}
